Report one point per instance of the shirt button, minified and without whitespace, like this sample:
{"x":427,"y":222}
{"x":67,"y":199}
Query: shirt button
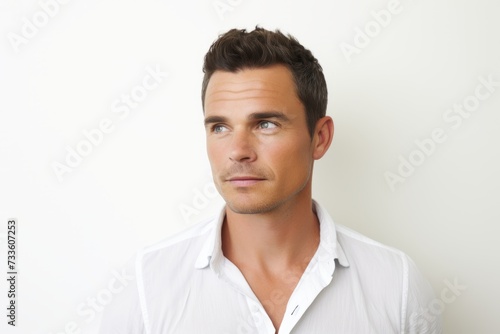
{"x":255,"y":309}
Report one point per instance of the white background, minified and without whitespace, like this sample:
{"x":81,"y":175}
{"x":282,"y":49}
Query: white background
{"x":77,"y":234}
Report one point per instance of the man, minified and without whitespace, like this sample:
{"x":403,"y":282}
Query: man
{"x":272,"y":261}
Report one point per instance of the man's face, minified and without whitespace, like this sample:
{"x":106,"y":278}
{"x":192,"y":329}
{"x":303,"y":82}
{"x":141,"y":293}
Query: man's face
{"x":258,"y":143}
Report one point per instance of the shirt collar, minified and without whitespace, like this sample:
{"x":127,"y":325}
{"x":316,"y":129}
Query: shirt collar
{"x":329,"y":248}
{"x":211,"y":252}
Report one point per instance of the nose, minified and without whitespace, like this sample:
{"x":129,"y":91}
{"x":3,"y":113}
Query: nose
{"x":242,"y":147}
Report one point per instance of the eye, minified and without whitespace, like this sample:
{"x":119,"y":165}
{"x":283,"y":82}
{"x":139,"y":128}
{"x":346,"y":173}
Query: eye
{"x":267,"y":125}
{"x":218,"y":128}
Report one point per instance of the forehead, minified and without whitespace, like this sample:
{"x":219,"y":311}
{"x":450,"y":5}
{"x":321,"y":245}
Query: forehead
{"x":252,"y":89}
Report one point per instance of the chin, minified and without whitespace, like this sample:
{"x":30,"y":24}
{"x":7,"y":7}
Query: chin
{"x":248,"y":206}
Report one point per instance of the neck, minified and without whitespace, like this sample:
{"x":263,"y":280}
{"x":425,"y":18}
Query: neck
{"x":273,"y":241}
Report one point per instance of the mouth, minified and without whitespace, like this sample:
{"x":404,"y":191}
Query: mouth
{"x":244,"y":181}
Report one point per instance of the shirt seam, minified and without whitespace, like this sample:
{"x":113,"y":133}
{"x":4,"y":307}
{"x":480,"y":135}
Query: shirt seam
{"x":140,"y":290}
{"x":404,"y":294}
{"x":181,"y":236}
{"x":361,"y":238}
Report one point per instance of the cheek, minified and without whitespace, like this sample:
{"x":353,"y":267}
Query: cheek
{"x":290,"y":161}
{"x":214,"y":154}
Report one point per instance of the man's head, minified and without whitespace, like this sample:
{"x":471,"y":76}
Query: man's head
{"x":238,"y":49}
{"x":260,"y":145}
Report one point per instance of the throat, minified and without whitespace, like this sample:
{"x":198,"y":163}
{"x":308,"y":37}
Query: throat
{"x":272,"y":255}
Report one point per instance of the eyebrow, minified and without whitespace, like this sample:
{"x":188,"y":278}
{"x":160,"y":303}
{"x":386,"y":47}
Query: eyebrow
{"x":253,"y":116}
{"x":214,"y":119}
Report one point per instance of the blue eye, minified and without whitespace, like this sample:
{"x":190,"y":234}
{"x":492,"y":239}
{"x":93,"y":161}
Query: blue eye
{"x":267,"y":125}
{"x":218,"y":128}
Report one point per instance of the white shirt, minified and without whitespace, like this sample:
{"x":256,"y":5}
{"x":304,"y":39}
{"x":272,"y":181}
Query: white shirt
{"x":352,"y":285}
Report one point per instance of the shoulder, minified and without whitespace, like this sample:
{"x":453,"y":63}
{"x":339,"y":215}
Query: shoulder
{"x":392,"y":271}
{"x":379,"y":262}
{"x":182,"y":247}
{"x":185,"y":236}
{"x":361,"y":249}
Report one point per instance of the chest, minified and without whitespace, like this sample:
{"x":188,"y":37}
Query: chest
{"x":274,"y":291}
{"x":204,"y":302}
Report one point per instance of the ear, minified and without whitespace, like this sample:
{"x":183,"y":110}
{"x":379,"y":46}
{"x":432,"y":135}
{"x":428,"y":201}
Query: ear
{"x":323,"y":135}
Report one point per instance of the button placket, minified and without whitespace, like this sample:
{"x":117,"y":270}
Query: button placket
{"x":260,"y":319}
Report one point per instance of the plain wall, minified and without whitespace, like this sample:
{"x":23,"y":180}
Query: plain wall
{"x":391,"y":93}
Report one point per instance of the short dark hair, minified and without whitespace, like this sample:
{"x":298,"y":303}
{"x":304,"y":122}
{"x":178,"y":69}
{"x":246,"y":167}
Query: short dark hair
{"x":238,"y":49}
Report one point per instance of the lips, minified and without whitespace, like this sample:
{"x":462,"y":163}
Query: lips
{"x":244,"y":181}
